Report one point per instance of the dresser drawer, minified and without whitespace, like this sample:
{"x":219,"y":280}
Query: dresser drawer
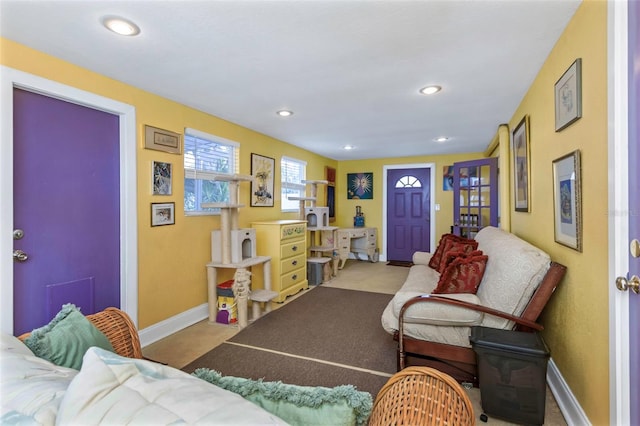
{"x":289,"y":249}
{"x":292,"y":278}
{"x":288,"y":265}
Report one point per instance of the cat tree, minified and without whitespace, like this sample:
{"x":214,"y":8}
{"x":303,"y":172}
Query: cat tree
{"x":317,"y":219}
{"x":235,"y":248}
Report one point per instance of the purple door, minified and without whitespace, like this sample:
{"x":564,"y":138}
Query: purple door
{"x":67,"y":204}
{"x":634,"y":205}
{"x":408,"y":213}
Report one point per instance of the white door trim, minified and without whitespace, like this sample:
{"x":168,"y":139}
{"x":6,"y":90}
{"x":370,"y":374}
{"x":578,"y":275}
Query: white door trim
{"x":619,"y":383}
{"x":432,"y":221}
{"x":10,"y":78}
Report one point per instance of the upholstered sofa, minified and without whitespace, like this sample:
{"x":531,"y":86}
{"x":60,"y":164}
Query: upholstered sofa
{"x":517,"y":282}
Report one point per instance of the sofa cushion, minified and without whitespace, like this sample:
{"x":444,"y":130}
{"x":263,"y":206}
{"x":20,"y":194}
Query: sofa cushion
{"x":114,"y":390}
{"x":463,"y":274}
{"x":66,"y":338}
{"x":32,"y":388}
{"x":299,"y":405}
{"x":514,"y":271}
{"x":452,"y":248}
{"x":435,"y":259}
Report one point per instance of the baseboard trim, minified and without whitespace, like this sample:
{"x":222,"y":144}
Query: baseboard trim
{"x":567,"y":402}
{"x":172,"y":325}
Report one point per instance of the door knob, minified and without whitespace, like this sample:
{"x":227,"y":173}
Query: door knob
{"x":20,"y":256}
{"x":633,"y":283}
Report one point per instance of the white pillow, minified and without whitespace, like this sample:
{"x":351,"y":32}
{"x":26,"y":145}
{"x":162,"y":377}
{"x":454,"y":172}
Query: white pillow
{"x":31,"y":388}
{"x":111,"y":389}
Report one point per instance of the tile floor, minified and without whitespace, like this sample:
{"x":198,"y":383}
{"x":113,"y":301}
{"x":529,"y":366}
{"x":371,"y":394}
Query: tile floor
{"x":181,"y":348}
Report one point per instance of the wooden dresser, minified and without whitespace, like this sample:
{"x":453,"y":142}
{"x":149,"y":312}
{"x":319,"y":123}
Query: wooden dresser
{"x":285,"y":241}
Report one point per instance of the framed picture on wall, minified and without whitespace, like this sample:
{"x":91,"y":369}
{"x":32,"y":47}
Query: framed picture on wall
{"x":521,"y":176}
{"x":163,"y":214}
{"x":162,"y":140}
{"x":262,"y":170}
{"x":567,"y":200}
{"x":161,"y":178}
{"x":568,"y":96}
{"x":360,"y":186}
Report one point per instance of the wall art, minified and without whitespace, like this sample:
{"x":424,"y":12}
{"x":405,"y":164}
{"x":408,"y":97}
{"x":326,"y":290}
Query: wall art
{"x":162,"y":140}
{"x":521,"y":165}
{"x":161,"y":178}
{"x":567,"y":200}
{"x":163,"y":214}
{"x":360,"y":186}
{"x":568,"y":96}
{"x":262,"y":170}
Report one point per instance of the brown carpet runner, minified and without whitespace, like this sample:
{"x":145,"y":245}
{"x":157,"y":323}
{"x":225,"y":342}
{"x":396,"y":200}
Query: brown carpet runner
{"x":340,"y":328}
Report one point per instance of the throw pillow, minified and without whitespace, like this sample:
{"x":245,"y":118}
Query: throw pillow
{"x":463,"y":275}
{"x":451,"y":255}
{"x":66,"y":338}
{"x":434,"y":262}
{"x":455,"y":246}
{"x":302,"y":405}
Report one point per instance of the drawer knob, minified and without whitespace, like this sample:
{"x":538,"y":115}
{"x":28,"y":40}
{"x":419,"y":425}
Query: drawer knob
{"x":294,"y":277}
{"x":294,"y":263}
{"x":294,"y":248}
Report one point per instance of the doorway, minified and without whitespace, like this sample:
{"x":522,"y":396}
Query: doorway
{"x":408,"y":209}
{"x":126,"y":151}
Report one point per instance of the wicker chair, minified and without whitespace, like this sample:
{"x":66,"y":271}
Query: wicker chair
{"x":422,"y":396}
{"x":118,"y":328}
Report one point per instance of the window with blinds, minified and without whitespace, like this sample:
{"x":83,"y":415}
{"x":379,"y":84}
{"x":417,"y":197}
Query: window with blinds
{"x":292,"y":174}
{"x":204,"y":156}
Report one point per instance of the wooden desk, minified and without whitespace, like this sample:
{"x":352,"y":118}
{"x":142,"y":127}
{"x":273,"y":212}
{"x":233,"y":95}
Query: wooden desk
{"x":356,"y":241}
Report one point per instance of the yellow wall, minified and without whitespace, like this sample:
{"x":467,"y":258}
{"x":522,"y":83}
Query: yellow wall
{"x":172,"y":278}
{"x":172,"y":275}
{"x":372,"y":209}
{"x":576,"y":320}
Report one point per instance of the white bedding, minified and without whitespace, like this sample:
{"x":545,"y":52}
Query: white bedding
{"x":113,"y":390}
{"x":31,"y":388}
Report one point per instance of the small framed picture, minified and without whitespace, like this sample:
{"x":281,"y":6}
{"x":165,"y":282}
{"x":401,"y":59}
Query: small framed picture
{"x":568,"y":96}
{"x":567,"y":203}
{"x":521,"y":165}
{"x":161,"y":178}
{"x":163,"y":214}
{"x":162,"y":140}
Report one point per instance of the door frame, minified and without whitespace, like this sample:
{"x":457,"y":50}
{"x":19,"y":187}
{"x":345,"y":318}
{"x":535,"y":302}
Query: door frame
{"x":12,"y":78}
{"x":432,"y":198}
{"x":618,"y":138}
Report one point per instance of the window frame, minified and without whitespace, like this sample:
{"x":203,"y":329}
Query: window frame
{"x":301,"y":187}
{"x":207,"y":175}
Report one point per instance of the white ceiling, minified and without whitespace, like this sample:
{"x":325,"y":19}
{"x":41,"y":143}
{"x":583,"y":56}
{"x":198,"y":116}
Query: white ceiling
{"x":350,"y":69}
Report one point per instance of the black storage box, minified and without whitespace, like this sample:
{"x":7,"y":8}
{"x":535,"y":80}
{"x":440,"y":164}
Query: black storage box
{"x":512,"y":370}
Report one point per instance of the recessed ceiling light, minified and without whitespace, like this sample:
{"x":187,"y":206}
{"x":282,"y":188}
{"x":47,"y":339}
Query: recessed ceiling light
{"x":441,"y":139}
{"x":349,"y":147}
{"x":121,"y":26}
{"x":430,"y":90}
{"x":284,"y":113}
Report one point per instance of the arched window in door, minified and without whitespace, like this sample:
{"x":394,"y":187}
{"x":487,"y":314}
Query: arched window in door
{"x":408,"y":181}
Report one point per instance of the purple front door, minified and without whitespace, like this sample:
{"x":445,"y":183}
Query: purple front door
{"x":408,"y":212}
{"x":67,"y":203}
